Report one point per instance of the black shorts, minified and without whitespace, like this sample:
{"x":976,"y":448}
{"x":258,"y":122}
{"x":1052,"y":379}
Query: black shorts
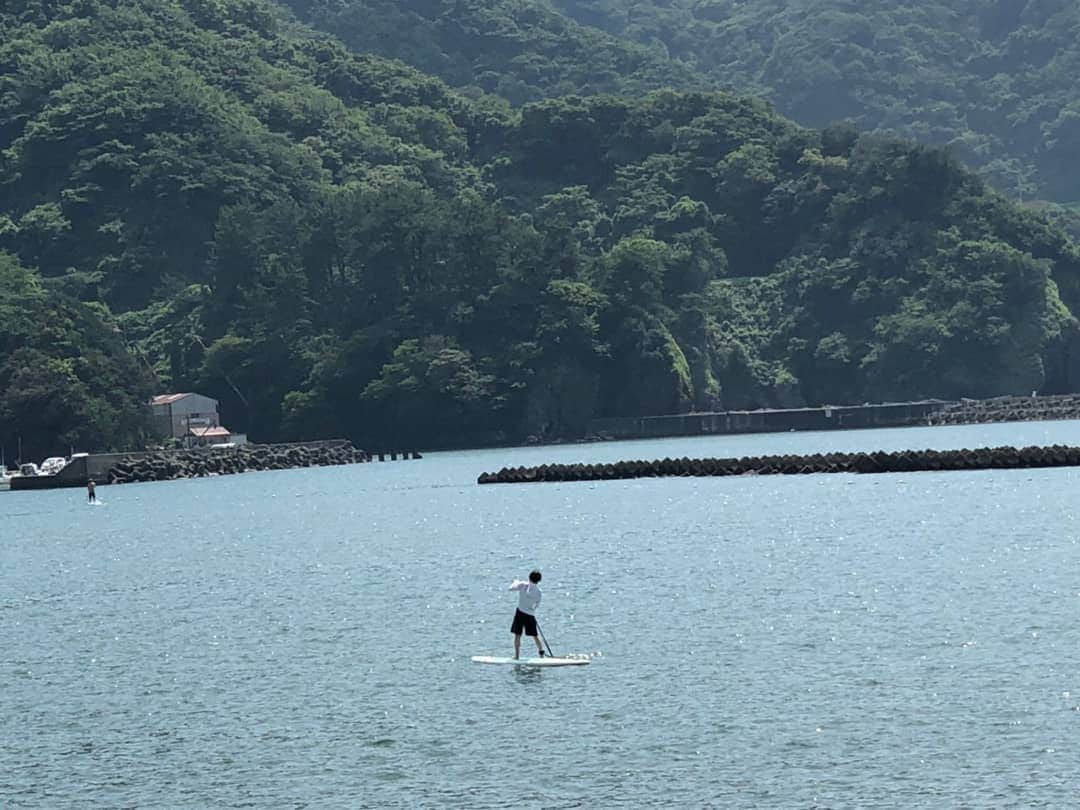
{"x":523,"y":621}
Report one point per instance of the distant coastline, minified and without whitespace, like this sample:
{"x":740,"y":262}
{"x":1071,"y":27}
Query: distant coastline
{"x":158,"y":465}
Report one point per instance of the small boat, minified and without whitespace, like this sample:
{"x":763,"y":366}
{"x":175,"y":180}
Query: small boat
{"x":51,"y":466}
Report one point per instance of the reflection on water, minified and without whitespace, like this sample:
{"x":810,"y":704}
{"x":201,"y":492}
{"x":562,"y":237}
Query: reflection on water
{"x":527,"y":675}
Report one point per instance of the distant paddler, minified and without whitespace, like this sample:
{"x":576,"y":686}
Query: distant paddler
{"x":91,"y":495}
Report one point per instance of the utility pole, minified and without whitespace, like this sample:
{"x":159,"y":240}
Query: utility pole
{"x":228,"y":379}
{"x":247,"y":407}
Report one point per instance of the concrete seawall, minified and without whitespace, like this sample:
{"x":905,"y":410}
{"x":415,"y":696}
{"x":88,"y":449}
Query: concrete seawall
{"x":842,"y":417}
{"x":839,"y":417}
{"x":74,"y":474}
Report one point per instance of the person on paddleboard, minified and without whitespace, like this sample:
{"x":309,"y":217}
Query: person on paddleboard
{"x":525,"y":617}
{"x":91,"y":494}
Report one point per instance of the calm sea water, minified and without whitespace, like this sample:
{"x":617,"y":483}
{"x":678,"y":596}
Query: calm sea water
{"x":302,"y":638}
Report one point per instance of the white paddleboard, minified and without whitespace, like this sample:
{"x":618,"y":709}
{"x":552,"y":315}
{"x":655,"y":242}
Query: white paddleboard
{"x":530,"y":662}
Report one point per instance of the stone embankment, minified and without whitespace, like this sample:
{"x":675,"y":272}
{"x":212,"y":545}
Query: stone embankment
{"x":1007,"y":409}
{"x":169,"y":465}
{"x":989,"y":458}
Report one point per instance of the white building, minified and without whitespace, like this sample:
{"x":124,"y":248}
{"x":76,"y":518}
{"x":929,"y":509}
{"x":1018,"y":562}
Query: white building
{"x":192,"y":418}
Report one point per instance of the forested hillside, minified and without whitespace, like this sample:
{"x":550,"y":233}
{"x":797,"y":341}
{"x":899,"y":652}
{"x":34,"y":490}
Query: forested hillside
{"x":338,"y":245}
{"x":992,"y":79}
{"x":520,"y":50}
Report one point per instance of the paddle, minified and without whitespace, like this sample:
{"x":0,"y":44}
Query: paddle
{"x":541,"y":632}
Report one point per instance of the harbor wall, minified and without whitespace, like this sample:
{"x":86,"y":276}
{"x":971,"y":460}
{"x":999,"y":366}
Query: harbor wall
{"x":102,"y":466}
{"x":80,"y":470}
{"x":838,"y":417}
{"x":73,"y":475}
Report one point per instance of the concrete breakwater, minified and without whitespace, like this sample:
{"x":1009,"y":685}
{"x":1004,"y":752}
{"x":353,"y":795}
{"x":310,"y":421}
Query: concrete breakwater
{"x":987,"y":458}
{"x":165,"y":465}
{"x":825,"y":417}
{"x":169,"y":465}
{"x":1007,"y":409}
{"x":841,"y":417}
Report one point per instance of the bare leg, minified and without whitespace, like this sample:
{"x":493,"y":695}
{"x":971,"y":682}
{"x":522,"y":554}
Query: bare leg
{"x":539,"y":646}
{"x":517,"y":646}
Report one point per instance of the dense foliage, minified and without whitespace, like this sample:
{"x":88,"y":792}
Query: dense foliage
{"x":992,"y":79}
{"x":67,"y":380}
{"x":336,"y":244}
{"x":520,"y":50}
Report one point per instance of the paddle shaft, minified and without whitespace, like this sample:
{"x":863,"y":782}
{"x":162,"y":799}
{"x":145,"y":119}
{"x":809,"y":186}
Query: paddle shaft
{"x":541,"y":632}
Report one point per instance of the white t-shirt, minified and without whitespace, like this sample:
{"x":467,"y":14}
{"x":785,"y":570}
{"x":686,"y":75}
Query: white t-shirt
{"x":528,"y":595}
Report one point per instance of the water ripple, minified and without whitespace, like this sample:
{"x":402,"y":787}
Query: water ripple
{"x":302,"y":639}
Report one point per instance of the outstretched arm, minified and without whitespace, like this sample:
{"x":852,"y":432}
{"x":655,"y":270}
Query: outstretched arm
{"x":518,"y":585}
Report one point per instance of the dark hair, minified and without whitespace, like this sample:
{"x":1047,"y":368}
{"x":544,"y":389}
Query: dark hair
{"x":534,"y":577}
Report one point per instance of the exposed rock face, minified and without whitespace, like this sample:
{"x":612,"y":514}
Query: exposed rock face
{"x":879,"y":462}
{"x":168,"y":465}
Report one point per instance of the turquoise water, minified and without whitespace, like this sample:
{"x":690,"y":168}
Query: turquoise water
{"x":302,"y":638}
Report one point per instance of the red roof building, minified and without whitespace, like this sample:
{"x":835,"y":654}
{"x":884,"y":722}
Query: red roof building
{"x":192,"y":418}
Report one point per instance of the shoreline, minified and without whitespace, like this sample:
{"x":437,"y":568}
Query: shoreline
{"x":163,"y":465}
